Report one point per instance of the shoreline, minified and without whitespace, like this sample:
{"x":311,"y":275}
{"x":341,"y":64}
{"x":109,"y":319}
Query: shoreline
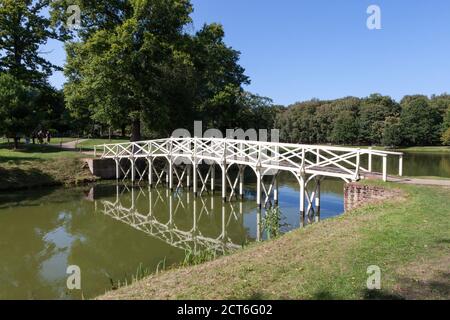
{"x":383,"y":233}
{"x":29,"y":174}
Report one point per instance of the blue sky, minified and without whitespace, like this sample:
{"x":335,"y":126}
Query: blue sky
{"x":296,"y":50}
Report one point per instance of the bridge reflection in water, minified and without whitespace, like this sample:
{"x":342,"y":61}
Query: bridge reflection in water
{"x":189,"y":223}
{"x":179,"y":219}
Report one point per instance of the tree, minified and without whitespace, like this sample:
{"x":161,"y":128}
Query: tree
{"x":345,"y":130}
{"x":219,"y":77}
{"x":373,"y":112}
{"x":421,"y":124}
{"x":23,"y":29}
{"x":446,"y":128}
{"x":446,"y":137}
{"x":392,"y":132}
{"x":257,"y":112}
{"x":17,"y":102}
{"x":136,"y":64}
{"x":120,"y":73}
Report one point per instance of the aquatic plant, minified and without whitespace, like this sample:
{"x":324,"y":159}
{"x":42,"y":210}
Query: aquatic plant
{"x":192,"y":258}
{"x":271,"y":222}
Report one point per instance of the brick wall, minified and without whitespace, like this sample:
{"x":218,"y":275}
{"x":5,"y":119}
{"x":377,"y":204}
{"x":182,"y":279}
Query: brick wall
{"x":356,"y":195}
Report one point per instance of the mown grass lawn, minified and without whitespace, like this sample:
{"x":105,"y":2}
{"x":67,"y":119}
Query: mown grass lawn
{"x":407,"y":237}
{"x":430,"y":149}
{"x":32,"y":152}
{"x":91,"y":143}
{"x":426,"y":149}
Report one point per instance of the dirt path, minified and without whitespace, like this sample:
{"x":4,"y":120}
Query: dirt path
{"x":72,"y":145}
{"x":411,"y":180}
{"x":422,"y":181}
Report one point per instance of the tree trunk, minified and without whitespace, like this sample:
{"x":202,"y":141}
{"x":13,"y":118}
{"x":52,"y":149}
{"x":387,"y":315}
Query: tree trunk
{"x":16,"y":143}
{"x":136,"y":130}
{"x":123,"y":130}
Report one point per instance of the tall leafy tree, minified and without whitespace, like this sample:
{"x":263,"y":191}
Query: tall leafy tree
{"x":137,"y":64}
{"x":119,"y":70}
{"x":17,"y":112}
{"x":392,"y":132}
{"x":421,"y":124}
{"x":219,"y":78}
{"x":373,"y":112}
{"x":23,"y":29}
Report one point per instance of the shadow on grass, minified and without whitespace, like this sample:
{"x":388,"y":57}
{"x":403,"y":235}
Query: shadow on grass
{"x":32,"y":148}
{"x":381,"y":295}
{"x":324,"y":295}
{"x":436,"y":288}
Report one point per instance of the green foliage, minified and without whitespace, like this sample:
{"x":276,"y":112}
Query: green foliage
{"x":392,"y":132}
{"x":23,"y":29}
{"x":420,"y":123}
{"x":374,"y":111}
{"x":377,"y":119}
{"x":135,"y":64}
{"x":272,"y":222}
{"x":345,"y":129}
{"x":17,"y":108}
{"x":192,"y":258}
{"x":446,"y":137}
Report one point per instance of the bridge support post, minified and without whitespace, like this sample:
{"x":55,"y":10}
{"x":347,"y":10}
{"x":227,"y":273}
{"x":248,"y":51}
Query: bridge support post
{"x":224,"y":182}
{"x":241,"y":181}
{"x":302,"y":200}
{"x":188,"y":176}
{"x":258,"y":187}
{"x":150,"y":171}
{"x":258,"y":225}
{"x":224,"y":223}
{"x":133,"y":169}
{"x":317,"y":200}
{"x":224,"y":172}
{"x":275,"y":190}
{"x":195,"y":168}
{"x":213,"y":178}
{"x":170,"y":210}
{"x":171,"y":174}
{"x":133,"y":199}
{"x":117,"y":168}
{"x":194,"y":177}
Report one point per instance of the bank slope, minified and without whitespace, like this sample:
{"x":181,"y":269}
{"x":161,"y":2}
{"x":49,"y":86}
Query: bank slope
{"x":408,"y":238}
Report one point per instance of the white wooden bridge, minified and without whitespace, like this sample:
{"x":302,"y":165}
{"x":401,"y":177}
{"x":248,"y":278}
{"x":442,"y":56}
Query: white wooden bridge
{"x":185,"y":157}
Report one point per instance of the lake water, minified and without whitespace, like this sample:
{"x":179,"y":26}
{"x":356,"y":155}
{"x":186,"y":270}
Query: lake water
{"x":417,"y":164}
{"x":110,"y":231}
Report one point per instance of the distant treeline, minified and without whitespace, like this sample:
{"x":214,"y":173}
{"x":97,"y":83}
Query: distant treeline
{"x":376,"y":120}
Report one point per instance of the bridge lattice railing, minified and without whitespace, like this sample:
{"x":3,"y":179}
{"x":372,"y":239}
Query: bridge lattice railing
{"x":341,"y":162}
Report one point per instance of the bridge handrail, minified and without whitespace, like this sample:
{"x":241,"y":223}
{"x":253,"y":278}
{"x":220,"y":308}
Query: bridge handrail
{"x":253,"y":150}
{"x":268,"y":143}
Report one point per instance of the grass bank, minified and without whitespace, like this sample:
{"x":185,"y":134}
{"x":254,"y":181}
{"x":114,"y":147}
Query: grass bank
{"x":89,"y":144}
{"x":435,"y":149}
{"x":35,"y":165}
{"x":408,"y":238}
